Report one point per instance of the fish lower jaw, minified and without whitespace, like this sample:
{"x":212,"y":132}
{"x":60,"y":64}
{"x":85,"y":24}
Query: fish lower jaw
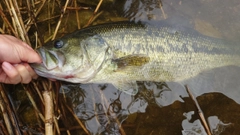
{"x":55,"y":77}
{"x":67,"y":78}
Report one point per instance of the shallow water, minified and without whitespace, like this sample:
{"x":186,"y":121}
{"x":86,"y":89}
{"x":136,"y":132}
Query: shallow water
{"x":217,"y":18}
{"x":165,"y":108}
{"x":158,"y":108}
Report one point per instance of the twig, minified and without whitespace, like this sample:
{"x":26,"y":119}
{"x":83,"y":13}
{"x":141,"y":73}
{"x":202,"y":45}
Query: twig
{"x":98,"y":6}
{"x":63,"y":116}
{"x":79,"y":121}
{"x":33,"y":103}
{"x":15,"y":19}
{"x":49,"y":15}
{"x":4,"y":130}
{"x":78,"y":8}
{"x":55,"y":97}
{"x":49,"y":108}
{"x":10,"y":112}
{"x":47,"y":96}
{"x":5,"y":117}
{"x":47,"y":19}
{"x":104,"y":99}
{"x":38,"y":91}
{"x":8,"y":23}
{"x":160,"y":5}
{"x":60,"y":20}
{"x":11,"y":15}
{"x":56,"y":123}
{"x":77,"y":16}
{"x":18,"y":19}
{"x":92,"y":17}
{"x":32,"y":18}
{"x":2,"y":31}
{"x":36,"y":14}
{"x":38,"y":42}
{"x":199,"y":111}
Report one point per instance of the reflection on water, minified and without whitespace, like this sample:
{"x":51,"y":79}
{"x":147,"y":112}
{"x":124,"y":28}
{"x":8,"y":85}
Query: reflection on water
{"x":165,"y":108}
{"x":224,"y":80}
{"x":196,"y":128}
{"x":139,"y":10}
{"x":216,"y":18}
{"x":103,"y":108}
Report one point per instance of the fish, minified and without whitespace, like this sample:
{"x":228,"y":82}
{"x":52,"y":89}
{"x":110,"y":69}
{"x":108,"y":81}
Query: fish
{"x":123,"y":53}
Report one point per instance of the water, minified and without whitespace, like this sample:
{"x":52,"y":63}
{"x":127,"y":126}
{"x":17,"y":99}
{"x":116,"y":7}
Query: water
{"x":212,"y":17}
{"x":158,"y":108}
{"x":165,"y":108}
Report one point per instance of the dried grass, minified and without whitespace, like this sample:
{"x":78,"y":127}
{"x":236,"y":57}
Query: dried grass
{"x":24,"y":20}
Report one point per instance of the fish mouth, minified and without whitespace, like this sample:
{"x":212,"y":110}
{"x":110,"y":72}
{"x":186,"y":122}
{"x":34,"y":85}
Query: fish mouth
{"x":51,"y":59}
{"x":52,"y":62}
{"x":44,"y":72}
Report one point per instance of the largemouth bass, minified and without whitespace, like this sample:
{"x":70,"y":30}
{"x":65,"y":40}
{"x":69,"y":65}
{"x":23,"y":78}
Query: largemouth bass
{"x":123,"y":53}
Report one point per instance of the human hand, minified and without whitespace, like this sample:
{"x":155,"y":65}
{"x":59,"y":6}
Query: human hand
{"x":14,"y":58}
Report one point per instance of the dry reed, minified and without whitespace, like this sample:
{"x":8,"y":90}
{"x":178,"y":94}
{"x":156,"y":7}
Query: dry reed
{"x":20,"y":18}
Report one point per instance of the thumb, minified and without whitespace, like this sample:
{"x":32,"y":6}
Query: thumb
{"x":27,"y":54}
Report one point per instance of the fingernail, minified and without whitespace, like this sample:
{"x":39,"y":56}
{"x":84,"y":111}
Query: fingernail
{"x":7,"y":66}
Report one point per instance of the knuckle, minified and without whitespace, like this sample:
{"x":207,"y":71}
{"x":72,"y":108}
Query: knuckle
{"x":15,"y":81}
{"x":26,"y":81}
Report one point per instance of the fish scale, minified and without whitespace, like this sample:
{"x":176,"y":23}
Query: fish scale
{"x":199,"y":53}
{"x":113,"y":53}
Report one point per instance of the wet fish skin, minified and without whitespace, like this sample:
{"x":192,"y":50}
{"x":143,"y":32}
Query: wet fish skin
{"x":123,"y":53}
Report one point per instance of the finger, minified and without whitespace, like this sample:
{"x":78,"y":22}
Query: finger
{"x":28,"y":55}
{"x":18,"y":49}
{"x":24,"y":73}
{"x":12,"y":75}
{"x":31,"y":71}
{"x":3,"y":75}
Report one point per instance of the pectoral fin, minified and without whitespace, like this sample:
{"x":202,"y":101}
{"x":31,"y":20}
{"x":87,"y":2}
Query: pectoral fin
{"x":131,"y":60}
{"x":130,"y":88}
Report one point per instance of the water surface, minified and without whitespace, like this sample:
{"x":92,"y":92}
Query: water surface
{"x":165,"y":108}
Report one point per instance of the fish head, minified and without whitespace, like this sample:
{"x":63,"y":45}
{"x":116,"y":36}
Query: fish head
{"x":74,"y":58}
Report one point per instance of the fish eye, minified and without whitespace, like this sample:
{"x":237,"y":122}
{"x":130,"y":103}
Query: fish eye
{"x":58,"y":44}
